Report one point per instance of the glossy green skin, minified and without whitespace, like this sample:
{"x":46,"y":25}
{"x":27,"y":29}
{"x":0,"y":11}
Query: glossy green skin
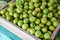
{"x":32,"y":30}
{"x":16,"y":15}
{"x":28,"y":29}
{"x":21,"y":16}
{"x":58,"y":7}
{"x":8,"y":17}
{"x":50,"y":4}
{"x":15,"y":21}
{"x":20,"y":23}
{"x":49,"y":32}
{"x":37,"y":33}
{"x":26,"y":7}
{"x":37,"y":21}
{"x":42,"y":35}
{"x":50,"y":8}
{"x":29,"y":11}
{"x":42,"y":7}
{"x":44,"y":30}
{"x":37,"y":28}
{"x":45,"y":11}
{"x":44,"y":3}
{"x":25,"y":15}
{"x":55,"y":23}
{"x":44,"y":20}
{"x":41,"y":25}
{"x":11,"y":13}
{"x":49,"y":23}
{"x":50,"y":15}
{"x":36,"y":5}
{"x":25,"y":26}
{"x":46,"y":35}
{"x":39,"y":15}
{"x":19,"y":10}
{"x":59,"y":12}
{"x":44,"y":15}
{"x":37,"y":9}
{"x":2,"y":11}
{"x":34,"y":13}
{"x":32,"y":24}
{"x":52,"y":28}
{"x":53,"y":19}
{"x":32,"y":19}
{"x":35,"y":1}
{"x":26,"y":20}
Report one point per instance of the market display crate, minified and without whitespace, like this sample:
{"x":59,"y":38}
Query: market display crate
{"x":52,"y":36}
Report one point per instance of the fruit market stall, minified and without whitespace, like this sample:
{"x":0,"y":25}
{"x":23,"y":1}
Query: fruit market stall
{"x":39,"y":18}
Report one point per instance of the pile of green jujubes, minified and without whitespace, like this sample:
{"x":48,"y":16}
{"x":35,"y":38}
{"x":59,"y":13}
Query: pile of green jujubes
{"x":39,"y":17}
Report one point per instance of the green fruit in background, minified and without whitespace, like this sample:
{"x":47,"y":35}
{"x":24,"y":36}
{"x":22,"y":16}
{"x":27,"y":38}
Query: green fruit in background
{"x":32,"y":19}
{"x":44,"y":3}
{"x":39,"y":15}
{"x":37,"y":9}
{"x":36,"y":5}
{"x":42,"y":7}
{"x":31,"y":7}
{"x":32,"y":24}
{"x":8,"y":17}
{"x":11,"y":13}
{"x":53,"y":19}
{"x":21,"y":16}
{"x":37,"y":28}
{"x":25,"y":26}
{"x":46,"y":35}
{"x":49,"y":32}
{"x":44,"y":20}
{"x":16,"y":15}
{"x":42,"y":35}
{"x":19,"y":10}
{"x":15,"y":21}
{"x":37,"y":21}
{"x":25,"y":15}
{"x":20,"y":23}
{"x":50,"y":8}
{"x":28,"y":29}
{"x":51,"y":28}
{"x":41,"y":25}
{"x":34,"y":13}
{"x":50,"y":4}
{"x":29,"y":11}
{"x":2,"y":11}
{"x":46,"y":11}
{"x":37,"y":33}
{"x":58,"y":7}
{"x":35,"y":1}
{"x":50,"y":15}
{"x":55,"y":23}
{"x":44,"y":30}
{"x":32,"y":30}
{"x":26,"y":20}
{"x":49,"y":23}
{"x":44,"y":15}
